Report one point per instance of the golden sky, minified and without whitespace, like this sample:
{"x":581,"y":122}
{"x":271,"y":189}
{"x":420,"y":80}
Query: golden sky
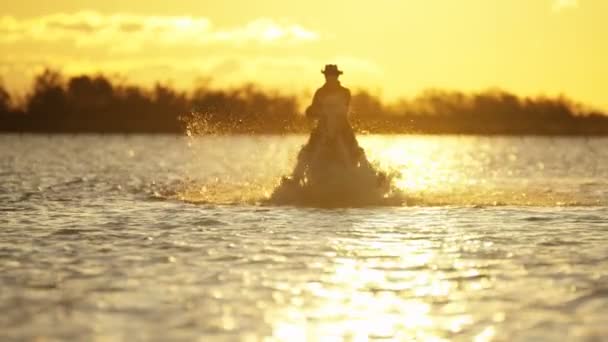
{"x":393,"y":47}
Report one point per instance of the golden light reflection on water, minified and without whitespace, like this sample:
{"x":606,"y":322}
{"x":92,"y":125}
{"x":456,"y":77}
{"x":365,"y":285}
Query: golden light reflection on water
{"x":388,"y":289}
{"x":456,"y":170}
{"x":422,"y":164}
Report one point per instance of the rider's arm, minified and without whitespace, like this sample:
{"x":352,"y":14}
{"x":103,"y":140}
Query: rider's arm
{"x":312,"y":112}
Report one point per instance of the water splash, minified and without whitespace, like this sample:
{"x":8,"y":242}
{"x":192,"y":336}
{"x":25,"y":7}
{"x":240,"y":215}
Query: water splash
{"x":197,"y":123}
{"x":325,"y":176}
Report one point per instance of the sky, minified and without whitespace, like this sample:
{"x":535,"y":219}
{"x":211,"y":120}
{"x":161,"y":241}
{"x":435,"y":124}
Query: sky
{"x":393,"y":48}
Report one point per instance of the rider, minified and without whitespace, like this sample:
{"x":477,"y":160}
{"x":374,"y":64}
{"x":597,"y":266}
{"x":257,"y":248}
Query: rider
{"x":330,"y":108}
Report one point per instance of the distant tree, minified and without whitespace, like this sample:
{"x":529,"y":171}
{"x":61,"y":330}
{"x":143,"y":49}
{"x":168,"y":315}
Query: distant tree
{"x":363,"y":104}
{"x":167,"y":106}
{"x":90,"y":95}
{"x":5,"y":101}
{"x":48,"y":99}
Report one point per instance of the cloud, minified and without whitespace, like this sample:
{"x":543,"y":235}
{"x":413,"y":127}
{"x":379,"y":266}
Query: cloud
{"x":128,"y":31}
{"x":560,"y":5}
{"x":145,"y":49}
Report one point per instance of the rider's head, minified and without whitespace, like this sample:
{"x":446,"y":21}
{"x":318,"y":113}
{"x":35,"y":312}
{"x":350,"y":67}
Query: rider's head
{"x":331,"y":72}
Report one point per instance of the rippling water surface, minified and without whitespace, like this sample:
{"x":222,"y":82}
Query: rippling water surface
{"x":168,"y":238}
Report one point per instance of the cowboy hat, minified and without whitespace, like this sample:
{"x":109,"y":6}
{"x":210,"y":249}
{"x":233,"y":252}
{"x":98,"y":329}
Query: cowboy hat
{"x":331,"y":69}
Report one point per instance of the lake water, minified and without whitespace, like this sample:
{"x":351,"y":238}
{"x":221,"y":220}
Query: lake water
{"x":126,"y":238}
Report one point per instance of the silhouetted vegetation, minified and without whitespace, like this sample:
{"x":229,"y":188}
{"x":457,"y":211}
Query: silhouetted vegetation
{"x":5,"y":99}
{"x":489,"y":112}
{"x":95,"y":104}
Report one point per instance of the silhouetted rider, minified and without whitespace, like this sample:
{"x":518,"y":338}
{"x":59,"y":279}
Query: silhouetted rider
{"x":332,"y":89}
{"x":330,"y":106}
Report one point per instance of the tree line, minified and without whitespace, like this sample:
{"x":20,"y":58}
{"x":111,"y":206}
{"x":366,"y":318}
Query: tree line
{"x":96,"y":104}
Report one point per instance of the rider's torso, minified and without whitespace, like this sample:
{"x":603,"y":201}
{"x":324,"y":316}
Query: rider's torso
{"x":333,"y":109}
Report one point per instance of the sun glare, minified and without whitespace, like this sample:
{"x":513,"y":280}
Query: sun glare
{"x":419,"y":163}
{"x":386,"y":290}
